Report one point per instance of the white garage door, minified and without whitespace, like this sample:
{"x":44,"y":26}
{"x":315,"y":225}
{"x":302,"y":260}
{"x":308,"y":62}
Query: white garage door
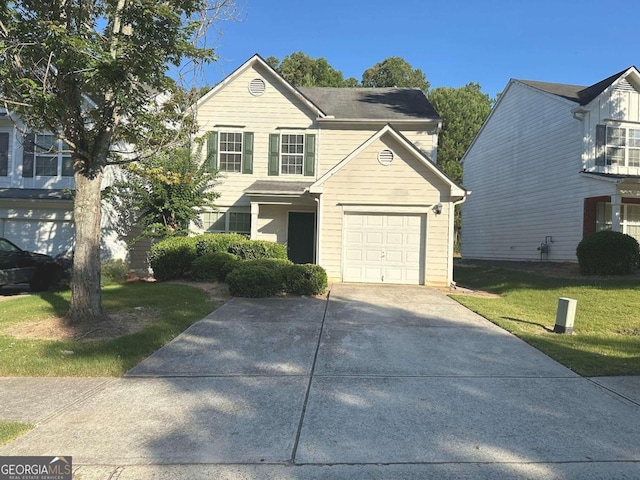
{"x":383,"y":248}
{"x":42,"y":236}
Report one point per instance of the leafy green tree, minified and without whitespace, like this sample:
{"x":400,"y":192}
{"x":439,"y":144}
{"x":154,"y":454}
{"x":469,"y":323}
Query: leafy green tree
{"x":91,"y":72}
{"x":394,"y":72}
{"x":164,"y":194}
{"x":300,"y":70}
{"x":352,"y":82}
{"x":463,"y":111}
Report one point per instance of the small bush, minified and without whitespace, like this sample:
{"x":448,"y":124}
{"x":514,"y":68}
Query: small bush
{"x":218,"y":242}
{"x":172,"y":257}
{"x":258,"y":278}
{"x":307,"y":279}
{"x":258,"y":249}
{"x":213,"y":266}
{"x":114,"y":271}
{"x":608,"y":253}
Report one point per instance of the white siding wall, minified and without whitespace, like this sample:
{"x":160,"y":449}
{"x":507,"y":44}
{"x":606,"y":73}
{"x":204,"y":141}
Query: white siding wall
{"x":406,"y":182}
{"x":523,"y":170}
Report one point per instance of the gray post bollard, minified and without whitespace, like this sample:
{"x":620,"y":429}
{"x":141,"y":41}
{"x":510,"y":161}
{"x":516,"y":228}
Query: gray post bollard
{"x":565,"y":315}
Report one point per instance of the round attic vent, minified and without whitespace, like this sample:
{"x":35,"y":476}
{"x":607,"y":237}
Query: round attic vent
{"x":256,"y":87}
{"x":385,"y":157}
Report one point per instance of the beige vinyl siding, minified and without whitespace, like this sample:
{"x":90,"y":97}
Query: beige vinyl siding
{"x":524,"y":172}
{"x":273,"y":221}
{"x":425,"y":141}
{"x":233,"y":108}
{"x":406,"y":182}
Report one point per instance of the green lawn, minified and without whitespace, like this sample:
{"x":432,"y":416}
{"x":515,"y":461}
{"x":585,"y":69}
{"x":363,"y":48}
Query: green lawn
{"x":12,"y":430}
{"x":607,"y":325}
{"x":177,"y":307}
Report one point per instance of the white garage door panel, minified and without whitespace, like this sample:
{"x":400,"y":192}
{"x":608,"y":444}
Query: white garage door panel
{"x":42,"y":236}
{"x":383,"y":248}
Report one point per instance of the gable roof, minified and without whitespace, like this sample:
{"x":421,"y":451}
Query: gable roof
{"x":456,"y":189}
{"x":258,"y":60}
{"x":372,"y":103}
{"x":578,"y":93}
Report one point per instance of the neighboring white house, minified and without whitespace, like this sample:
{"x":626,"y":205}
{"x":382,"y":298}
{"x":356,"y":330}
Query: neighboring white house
{"x":344,"y":177}
{"x":36,"y":183}
{"x":551,"y":164}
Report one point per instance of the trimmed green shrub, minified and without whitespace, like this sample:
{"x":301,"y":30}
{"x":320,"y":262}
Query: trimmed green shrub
{"x":258,"y":249}
{"x":218,"y":242}
{"x":306,"y":279}
{"x":608,"y":253}
{"x":172,"y":257}
{"x":213,"y":266}
{"x":114,"y":271}
{"x":258,"y":278}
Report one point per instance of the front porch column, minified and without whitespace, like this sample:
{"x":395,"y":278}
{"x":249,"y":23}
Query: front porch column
{"x":255,"y":210}
{"x":616,"y":203}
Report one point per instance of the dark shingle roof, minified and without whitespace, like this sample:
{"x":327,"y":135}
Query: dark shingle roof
{"x":576,"y":93}
{"x":372,"y":103}
{"x":275,"y":187}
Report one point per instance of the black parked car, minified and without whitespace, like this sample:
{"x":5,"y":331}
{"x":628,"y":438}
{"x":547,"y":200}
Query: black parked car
{"x":19,"y":266}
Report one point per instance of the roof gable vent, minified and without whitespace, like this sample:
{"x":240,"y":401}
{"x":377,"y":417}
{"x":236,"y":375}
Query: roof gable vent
{"x":257,"y":87}
{"x":624,"y":86}
{"x":385,"y":157}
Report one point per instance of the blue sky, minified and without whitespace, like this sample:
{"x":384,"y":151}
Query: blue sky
{"x":453,"y":42}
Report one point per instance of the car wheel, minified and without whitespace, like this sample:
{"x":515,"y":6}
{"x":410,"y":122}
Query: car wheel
{"x":41,"y":280}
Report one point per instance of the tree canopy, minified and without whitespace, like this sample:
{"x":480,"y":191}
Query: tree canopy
{"x":95,"y":73}
{"x":463,"y":111}
{"x":300,"y":70}
{"x":394,"y":72}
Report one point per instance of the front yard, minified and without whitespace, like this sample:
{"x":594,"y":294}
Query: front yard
{"x":607,"y":325}
{"x":143,"y":317}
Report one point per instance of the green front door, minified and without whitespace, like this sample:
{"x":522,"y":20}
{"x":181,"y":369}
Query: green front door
{"x":301,"y":237}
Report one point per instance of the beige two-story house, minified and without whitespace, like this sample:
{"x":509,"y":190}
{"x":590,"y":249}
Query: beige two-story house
{"x":345,"y":178}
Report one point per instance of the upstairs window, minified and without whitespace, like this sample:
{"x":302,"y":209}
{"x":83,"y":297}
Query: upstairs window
{"x":618,"y":146}
{"x":292,"y":154}
{"x":46,"y":156}
{"x":230,"y":152}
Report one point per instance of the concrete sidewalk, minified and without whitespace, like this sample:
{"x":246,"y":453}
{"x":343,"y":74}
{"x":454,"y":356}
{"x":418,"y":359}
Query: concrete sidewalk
{"x":381,"y":382}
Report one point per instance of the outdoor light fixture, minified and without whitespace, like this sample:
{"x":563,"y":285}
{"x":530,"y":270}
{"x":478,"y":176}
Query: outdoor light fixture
{"x":437,"y":209}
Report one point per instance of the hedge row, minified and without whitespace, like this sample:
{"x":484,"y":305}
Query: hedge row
{"x":172,"y":258}
{"x":251,"y":268}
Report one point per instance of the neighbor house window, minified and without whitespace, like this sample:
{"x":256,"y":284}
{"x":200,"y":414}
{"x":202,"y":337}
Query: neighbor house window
{"x":52,"y":157}
{"x":230,"y":152}
{"x":623,"y":146}
{"x":227,"y":222}
{"x":629,"y":218}
{"x":291,"y":154}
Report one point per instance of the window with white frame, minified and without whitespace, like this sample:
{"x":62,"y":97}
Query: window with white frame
{"x":291,"y":154}
{"x":227,"y":222}
{"x":629,"y":218}
{"x":52,"y":157}
{"x":623,"y":146}
{"x":230,"y":152}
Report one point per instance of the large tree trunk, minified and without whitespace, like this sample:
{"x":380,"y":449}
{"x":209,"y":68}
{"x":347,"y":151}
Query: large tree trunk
{"x":86,"y":297}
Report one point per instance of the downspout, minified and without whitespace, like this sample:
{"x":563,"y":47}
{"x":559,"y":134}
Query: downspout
{"x":450,"y":280}
{"x":318,"y":229}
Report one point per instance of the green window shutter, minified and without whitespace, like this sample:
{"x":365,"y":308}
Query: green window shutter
{"x":28,"y":147}
{"x":601,"y":140}
{"x":247,"y":154}
{"x":4,"y":154}
{"x":212,"y":151}
{"x":309,"y":155}
{"x":274,"y":154}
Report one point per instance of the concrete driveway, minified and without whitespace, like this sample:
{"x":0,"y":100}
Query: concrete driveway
{"x":378,"y":382}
